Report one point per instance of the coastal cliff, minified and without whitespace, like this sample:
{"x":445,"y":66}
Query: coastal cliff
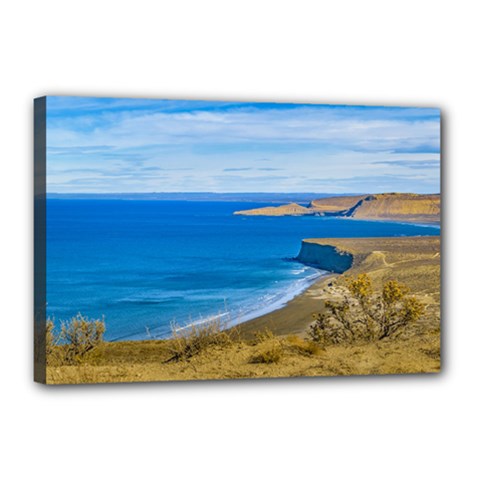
{"x":405,"y":207}
{"x":325,"y":257}
{"x":376,"y":254}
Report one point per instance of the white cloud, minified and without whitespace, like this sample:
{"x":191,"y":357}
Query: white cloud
{"x":304,"y":142}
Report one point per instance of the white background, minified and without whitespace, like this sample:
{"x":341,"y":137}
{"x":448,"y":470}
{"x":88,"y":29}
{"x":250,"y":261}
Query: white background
{"x":407,"y":53}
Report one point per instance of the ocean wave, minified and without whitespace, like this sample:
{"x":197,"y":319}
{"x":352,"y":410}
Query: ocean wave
{"x":275,"y":300}
{"x":249,"y":309}
{"x":299,"y":271}
{"x":152,"y":297}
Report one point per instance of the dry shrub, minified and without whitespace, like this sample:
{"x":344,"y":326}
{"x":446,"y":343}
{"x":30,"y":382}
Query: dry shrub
{"x":264,"y":335}
{"x":53,"y":352}
{"x":363,"y":315}
{"x":275,"y":348}
{"x":50,"y":340}
{"x":272,"y":354}
{"x":302,"y":346}
{"x":76,"y":339}
{"x":272,"y":347}
{"x":195,"y":338}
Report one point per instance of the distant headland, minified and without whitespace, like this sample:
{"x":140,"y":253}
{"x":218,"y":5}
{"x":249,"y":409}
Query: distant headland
{"x":404,"y":207}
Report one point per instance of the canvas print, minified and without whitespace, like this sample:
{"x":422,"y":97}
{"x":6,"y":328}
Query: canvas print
{"x":199,"y":240}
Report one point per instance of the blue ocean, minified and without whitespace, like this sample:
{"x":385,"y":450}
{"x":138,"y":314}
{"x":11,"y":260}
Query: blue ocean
{"x":143,"y":264}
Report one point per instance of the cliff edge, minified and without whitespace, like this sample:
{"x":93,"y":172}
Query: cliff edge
{"x":324,"y":256}
{"x":405,"y":207}
{"x":407,"y":256}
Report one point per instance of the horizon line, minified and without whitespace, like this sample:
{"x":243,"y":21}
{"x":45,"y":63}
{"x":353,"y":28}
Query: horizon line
{"x":243,"y":193}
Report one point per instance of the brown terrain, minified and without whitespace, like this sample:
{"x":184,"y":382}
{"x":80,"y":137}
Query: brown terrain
{"x":406,"y":207}
{"x":290,"y":209}
{"x":276,"y":344}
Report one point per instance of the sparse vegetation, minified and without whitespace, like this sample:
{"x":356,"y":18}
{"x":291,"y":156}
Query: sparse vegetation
{"x":264,"y":335}
{"x":363,"y":315}
{"x":271,"y":348}
{"x":359,"y":329}
{"x":195,"y":338}
{"x":50,"y":340}
{"x":76,"y":338}
{"x":272,"y":354}
{"x":303,"y":346}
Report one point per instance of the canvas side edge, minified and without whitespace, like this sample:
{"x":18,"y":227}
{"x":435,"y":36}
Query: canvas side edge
{"x":39,"y":248}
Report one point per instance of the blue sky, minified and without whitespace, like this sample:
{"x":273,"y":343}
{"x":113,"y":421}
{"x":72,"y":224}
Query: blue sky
{"x":106,"y":145}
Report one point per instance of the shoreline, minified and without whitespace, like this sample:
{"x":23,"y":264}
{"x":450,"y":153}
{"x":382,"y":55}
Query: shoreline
{"x":283,"y":300}
{"x":292,"y":314}
{"x":262,"y":310}
{"x":295,"y":316}
{"x":370,"y":255}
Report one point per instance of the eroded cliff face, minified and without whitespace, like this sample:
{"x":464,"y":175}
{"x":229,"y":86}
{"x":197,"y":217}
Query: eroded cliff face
{"x":399,"y":205}
{"x":325,"y":257}
{"x":407,"y":207}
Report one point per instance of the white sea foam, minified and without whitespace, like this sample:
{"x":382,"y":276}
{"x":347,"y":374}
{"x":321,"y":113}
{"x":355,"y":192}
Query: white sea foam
{"x":299,"y":271}
{"x":275,"y":301}
{"x":265,"y":304}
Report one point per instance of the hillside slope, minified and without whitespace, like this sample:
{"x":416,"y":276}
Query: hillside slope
{"x":283,"y":210}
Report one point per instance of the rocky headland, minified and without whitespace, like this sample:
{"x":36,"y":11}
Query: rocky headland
{"x":404,"y":207}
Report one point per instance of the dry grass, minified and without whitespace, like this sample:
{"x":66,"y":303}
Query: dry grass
{"x":415,"y":351}
{"x":148,"y":361}
{"x":272,"y":354}
{"x":303,"y":347}
{"x":191,"y":340}
{"x":267,"y":357}
{"x":271,"y":348}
